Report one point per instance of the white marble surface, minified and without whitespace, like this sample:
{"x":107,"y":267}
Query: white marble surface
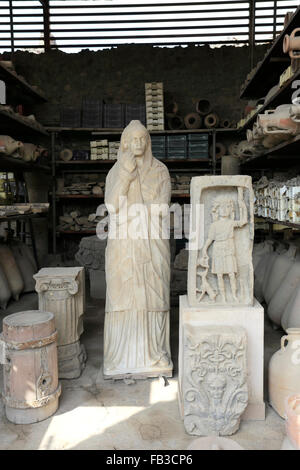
{"x":251,"y":318}
{"x":137,"y":263}
{"x":220,"y":268}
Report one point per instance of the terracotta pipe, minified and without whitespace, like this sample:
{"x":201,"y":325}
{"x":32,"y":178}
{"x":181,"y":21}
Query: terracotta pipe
{"x":176,"y":123}
{"x":225,"y":123}
{"x":211,"y":120}
{"x":193,"y":121}
{"x":203,"y":107}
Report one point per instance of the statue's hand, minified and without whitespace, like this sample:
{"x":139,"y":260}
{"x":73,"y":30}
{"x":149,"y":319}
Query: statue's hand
{"x":129,"y":162}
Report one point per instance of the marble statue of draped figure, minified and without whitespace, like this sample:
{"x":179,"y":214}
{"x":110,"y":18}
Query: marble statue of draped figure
{"x":137,"y":265}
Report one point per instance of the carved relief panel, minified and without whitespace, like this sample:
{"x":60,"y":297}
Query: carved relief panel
{"x":220,"y":268}
{"x":214,"y":387}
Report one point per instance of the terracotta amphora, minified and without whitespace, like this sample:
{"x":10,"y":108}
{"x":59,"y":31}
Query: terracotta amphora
{"x":284,"y":371}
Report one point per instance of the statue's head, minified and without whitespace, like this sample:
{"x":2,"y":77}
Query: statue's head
{"x":223,"y":207}
{"x":135,"y":138}
{"x":216,"y":385}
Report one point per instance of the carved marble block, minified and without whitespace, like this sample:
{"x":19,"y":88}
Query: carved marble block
{"x":220,"y":268}
{"x":62,"y":292}
{"x":193,"y":323}
{"x":214,"y":387}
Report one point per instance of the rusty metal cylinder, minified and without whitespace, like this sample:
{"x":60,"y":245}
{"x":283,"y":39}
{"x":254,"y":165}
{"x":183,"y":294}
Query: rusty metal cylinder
{"x":193,"y":121}
{"x":29,"y":354}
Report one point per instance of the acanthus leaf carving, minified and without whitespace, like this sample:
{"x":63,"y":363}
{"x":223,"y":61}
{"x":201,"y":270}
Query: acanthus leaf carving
{"x":215,"y":388}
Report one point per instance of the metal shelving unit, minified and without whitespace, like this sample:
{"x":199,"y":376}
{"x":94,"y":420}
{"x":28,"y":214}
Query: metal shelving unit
{"x":266,"y":75}
{"x":15,"y":125}
{"x":8,"y":163}
{"x":12,"y":78}
{"x":283,"y":95}
{"x":283,"y":154}
{"x":272,"y":65}
{"x":279,"y":222}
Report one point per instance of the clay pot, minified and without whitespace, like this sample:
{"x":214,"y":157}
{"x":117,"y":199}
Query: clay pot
{"x":292,"y":424}
{"x":259,"y":250}
{"x":30,"y":152}
{"x":66,"y":155}
{"x":5,"y":292}
{"x":255,"y":136}
{"x":285,"y":291}
{"x":284,"y":371}
{"x":26,"y":264}
{"x":292,"y":43}
{"x":275,"y":121}
{"x":11,"y":271}
{"x":259,"y":273}
{"x":246,"y":149}
{"x":291,"y":314}
{"x":10,"y":145}
{"x":280,"y":267}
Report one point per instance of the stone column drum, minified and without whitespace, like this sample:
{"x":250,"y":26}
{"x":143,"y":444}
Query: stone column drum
{"x":29,"y":354}
{"x":62,"y":292}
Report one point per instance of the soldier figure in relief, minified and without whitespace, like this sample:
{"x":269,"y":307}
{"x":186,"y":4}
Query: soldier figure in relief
{"x":221,"y":235}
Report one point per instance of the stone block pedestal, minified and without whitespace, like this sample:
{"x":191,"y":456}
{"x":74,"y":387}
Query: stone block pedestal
{"x":251,"y":319}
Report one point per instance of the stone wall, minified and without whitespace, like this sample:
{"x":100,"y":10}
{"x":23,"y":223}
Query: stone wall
{"x":118,"y":75}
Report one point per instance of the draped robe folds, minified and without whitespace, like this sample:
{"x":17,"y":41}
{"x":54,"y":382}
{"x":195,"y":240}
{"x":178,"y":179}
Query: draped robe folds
{"x":136,"y":331}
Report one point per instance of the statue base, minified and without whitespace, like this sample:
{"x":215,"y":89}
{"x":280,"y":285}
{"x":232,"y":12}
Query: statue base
{"x":71,"y":360}
{"x":251,"y":318}
{"x":140,"y":374}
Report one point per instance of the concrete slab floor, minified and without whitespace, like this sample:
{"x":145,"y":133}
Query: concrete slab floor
{"x":104,"y":414}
